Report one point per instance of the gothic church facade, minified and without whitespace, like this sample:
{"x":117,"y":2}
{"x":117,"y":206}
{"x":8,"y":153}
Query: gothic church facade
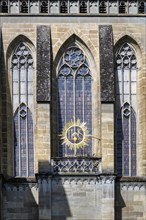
{"x":72,"y":110}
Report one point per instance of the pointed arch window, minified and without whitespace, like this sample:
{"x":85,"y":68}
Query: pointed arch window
{"x":74,"y":101}
{"x":126,"y":72}
{"x":22,"y":95}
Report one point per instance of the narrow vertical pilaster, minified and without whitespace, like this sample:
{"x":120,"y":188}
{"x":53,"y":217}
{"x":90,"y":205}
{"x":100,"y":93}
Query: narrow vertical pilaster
{"x":106,"y":63}
{"x":44,"y":185}
{"x":108,"y":197}
{"x":44,"y":56}
{"x":107,"y":96}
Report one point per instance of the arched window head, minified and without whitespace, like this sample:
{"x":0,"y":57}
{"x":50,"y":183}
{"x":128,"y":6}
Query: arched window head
{"x":126,"y":73}
{"x":74,"y":104}
{"x":23,"y":142}
{"x":126,"y":58}
{"x":22,"y":98}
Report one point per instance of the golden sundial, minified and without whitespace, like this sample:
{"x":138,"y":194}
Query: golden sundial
{"x":75,"y":135}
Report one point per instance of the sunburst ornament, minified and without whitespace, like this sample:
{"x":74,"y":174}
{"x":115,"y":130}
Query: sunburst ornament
{"x":75,"y":134}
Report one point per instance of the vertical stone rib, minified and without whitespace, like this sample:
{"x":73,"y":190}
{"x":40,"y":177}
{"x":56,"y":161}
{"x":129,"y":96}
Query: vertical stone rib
{"x":106,"y":63}
{"x":43,"y":63}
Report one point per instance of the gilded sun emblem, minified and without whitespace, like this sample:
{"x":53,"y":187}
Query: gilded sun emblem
{"x":75,"y":134}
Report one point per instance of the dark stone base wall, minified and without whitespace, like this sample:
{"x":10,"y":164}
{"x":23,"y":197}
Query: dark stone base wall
{"x":130,"y":199}
{"x":55,"y":197}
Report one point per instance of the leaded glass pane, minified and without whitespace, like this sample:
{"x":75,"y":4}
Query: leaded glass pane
{"x":22,"y":93}
{"x":15,"y":74}
{"x":126,"y":143}
{"x":133,"y":144}
{"x":23,"y":88}
{"x":15,"y":88}
{"x":126,"y":71}
{"x":74,"y":99}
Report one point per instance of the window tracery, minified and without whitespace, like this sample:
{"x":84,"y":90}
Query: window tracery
{"x":126,"y":68}
{"x":22,"y":94}
{"x":74,"y":97}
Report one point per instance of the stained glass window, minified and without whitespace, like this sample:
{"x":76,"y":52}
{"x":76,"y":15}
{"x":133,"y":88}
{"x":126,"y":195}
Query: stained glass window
{"x":22,"y":94}
{"x":74,"y":97}
{"x":126,"y":68}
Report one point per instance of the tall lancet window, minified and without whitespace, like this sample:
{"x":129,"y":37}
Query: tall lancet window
{"x":74,"y":104}
{"x":22,"y":95}
{"x":126,"y":73}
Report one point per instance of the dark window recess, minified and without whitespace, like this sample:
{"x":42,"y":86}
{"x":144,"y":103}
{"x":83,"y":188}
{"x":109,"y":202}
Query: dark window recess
{"x":4,"y":7}
{"x":141,"y":8}
{"x":44,"y":7}
{"x":63,"y":7}
{"x":24,"y":7}
{"x":102,"y":7}
{"x":122,"y":8}
{"x":83,"y":7}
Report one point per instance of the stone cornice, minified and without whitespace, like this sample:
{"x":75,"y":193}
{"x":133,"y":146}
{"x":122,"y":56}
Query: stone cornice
{"x":75,"y":8}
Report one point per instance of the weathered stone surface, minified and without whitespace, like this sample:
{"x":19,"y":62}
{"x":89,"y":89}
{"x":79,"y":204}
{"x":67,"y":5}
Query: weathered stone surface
{"x":43,"y":63}
{"x":106,"y":63}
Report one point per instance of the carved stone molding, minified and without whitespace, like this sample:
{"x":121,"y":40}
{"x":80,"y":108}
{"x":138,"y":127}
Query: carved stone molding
{"x":75,"y":180}
{"x":20,"y":187}
{"x":107,"y":178}
{"x":72,"y":7}
{"x":133,"y":186}
{"x":83,"y":179}
{"x":76,"y":165}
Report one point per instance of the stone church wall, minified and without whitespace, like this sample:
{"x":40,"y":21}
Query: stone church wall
{"x":20,"y":200}
{"x":61,"y":34}
{"x":130,"y":199}
{"x":71,"y":197}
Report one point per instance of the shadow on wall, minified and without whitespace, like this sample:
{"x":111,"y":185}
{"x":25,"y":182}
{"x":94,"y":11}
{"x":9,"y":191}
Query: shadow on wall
{"x":53,"y":201}
{"x":119,"y":202}
{"x":19,"y":199}
{"x":6,"y":150}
